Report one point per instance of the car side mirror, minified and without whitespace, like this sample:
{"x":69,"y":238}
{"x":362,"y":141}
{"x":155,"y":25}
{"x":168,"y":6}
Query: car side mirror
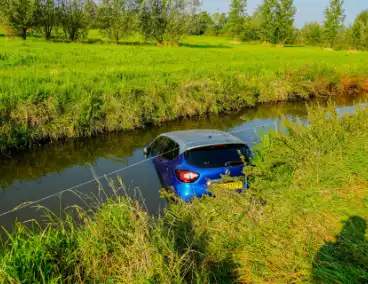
{"x":146,"y":151}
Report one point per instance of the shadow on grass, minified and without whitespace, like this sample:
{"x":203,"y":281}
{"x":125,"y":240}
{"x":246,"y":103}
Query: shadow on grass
{"x":128,"y":43}
{"x":37,"y":36}
{"x":100,"y":41}
{"x":293,"y":46}
{"x":137,"y":43}
{"x":86,"y":41}
{"x":346,"y":260}
{"x":60,"y":40}
{"x":92,"y":41}
{"x":203,"y":45}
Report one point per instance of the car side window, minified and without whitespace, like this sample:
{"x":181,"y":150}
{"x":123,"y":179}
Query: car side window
{"x":170,"y":149}
{"x":156,"y":146}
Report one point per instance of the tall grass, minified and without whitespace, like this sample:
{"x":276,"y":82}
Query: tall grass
{"x":304,"y":220}
{"x":60,"y":90}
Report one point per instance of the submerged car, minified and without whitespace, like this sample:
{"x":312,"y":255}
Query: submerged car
{"x":192,"y":162}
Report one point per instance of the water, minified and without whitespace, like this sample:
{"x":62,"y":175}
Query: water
{"x":37,"y":173}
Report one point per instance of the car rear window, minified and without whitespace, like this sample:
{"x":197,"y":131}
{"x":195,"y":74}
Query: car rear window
{"x":218,"y":156}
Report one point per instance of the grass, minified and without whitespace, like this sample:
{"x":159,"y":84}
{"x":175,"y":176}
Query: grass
{"x":51,"y":91}
{"x":304,"y":220}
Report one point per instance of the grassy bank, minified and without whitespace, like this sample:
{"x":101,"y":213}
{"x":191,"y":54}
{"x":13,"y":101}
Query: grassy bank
{"x":57,"y":90}
{"x":303,"y":220}
{"x":56,"y":157}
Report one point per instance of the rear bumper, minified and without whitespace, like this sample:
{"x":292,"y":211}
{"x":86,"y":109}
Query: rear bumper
{"x":187,"y":192}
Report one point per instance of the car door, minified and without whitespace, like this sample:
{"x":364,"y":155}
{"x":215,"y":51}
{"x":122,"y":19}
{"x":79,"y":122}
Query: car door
{"x":155,"y":153}
{"x":169,"y":153}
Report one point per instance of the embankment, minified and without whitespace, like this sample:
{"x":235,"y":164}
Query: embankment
{"x":51,"y":91}
{"x":303,"y":220}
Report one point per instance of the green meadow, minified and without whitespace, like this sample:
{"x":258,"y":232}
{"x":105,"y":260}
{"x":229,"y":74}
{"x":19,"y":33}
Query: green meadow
{"x":304,"y":220}
{"x":58,"y":90}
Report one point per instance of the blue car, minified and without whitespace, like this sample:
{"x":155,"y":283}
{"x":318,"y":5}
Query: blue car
{"x":192,"y":162}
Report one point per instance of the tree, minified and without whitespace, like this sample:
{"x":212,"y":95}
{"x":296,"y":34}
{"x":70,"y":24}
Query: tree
{"x":167,"y":21}
{"x":252,"y":27}
{"x":46,"y":16}
{"x":362,"y":17}
{"x":91,"y":14}
{"x":359,"y":31}
{"x":268,"y":11}
{"x":194,"y":25}
{"x":312,"y":33}
{"x":117,"y":18}
{"x":285,"y":13}
{"x":154,"y":18}
{"x":178,"y":23}
{"x":3,"y":12}
{"x":74,"y":18}
{"x":219,"y":21}
{"x":205,"y":23}
{"x":201,"y":23}
{"x":344,"y":38}
{"x":334,"y":19}
{"x":278,"y":20}
{"x":237,"y":16}
{"x":19,"y":15}
{"x":180,"y":19}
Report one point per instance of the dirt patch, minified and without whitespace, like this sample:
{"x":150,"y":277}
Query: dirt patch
{"x":235,"y":42}
{"x":353,"y":51}
{"x":354,"y":190}
{"x":353,"y":85}
{"x":364,"y":86}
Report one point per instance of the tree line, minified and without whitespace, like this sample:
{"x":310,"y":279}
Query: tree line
{"x":273,"y":22}
{"x":167,"y":21}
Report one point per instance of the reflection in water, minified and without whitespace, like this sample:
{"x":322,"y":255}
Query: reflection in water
{"x":45,"y":170}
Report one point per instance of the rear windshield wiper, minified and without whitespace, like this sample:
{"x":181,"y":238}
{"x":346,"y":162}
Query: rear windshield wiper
{"x":233,"y":163}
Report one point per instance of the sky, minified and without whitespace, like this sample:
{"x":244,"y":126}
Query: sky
{"x":307,"y":10}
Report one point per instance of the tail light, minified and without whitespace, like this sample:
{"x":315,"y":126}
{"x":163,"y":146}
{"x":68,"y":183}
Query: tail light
{"x":187,"y":176}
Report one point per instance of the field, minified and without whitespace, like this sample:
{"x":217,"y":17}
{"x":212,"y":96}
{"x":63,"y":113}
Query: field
{"x":304,"y":220}
{"x":55,"y":90}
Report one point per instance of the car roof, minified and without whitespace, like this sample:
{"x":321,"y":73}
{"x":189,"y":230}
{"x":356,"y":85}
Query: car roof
{"x":191,"y":139}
